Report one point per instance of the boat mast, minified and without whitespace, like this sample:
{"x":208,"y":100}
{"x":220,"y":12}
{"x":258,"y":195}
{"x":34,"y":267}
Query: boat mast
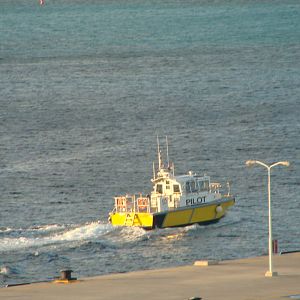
{"x":158,"y":154}
{"x":168,"y":161}
{"x":170,"y":164}
{"x":153,"y":171}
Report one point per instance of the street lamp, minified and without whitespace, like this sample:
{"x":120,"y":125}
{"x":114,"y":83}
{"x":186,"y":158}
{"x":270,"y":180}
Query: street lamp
{"x":249,"y":163}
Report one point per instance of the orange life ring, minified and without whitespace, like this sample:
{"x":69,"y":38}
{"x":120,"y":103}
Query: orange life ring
{"x":142,"y":203}
{"x":121,"y":202}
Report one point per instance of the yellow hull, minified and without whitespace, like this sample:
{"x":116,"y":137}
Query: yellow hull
{"x":131,"y":219}
{"x":201,"y":214}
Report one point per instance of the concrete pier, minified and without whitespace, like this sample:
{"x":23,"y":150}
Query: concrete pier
{"x":242,"y":279}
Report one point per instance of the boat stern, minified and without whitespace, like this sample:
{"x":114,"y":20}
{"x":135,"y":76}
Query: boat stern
{"x":131,"y":219}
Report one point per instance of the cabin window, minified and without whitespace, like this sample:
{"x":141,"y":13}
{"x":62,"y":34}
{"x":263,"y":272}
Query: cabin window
{"x":203,"y":185}
{"x":193,"y":187}
{"x":159,"y":188}
{"x":187,"y":187}
{"x":167,"y":187}
{"x":176,"y":188}
{"x":200,"y":185}
{"x":206,"y":185}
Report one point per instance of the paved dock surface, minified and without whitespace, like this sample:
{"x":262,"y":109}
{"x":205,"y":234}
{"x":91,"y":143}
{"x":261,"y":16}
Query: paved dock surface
{"x":234,"y":280}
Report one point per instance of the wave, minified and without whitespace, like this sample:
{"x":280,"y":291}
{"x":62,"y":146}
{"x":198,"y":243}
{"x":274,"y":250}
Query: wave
{"x":4,"y":270}
{"x":38,"y":228}
{"x":130,"y":234}
{"x":6,"y":229}
{"x":83,"y":234}
{"x":89,"y":231}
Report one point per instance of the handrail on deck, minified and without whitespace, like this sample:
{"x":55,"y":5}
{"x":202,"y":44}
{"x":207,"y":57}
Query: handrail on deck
{"x":132,"y":203}
{"x":215,"y":187}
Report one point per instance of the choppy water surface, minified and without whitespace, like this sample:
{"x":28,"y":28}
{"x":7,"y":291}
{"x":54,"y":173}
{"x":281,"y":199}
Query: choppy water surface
{"x":85,"y":88}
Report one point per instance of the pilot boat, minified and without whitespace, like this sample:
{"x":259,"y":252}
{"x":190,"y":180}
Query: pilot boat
{"x":175,"y":201}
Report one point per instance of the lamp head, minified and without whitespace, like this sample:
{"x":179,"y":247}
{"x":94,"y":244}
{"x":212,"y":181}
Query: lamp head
{"x":285,"y":163}
{"x":249,"y":163}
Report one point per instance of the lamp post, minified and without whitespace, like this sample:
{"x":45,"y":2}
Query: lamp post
{"x":249,"y":163}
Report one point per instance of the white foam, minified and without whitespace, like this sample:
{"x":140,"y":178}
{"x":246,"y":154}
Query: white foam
{"x":51,"y":227}
{"x":6,"y":229}
{"x":88,"y":231}
{"x":4,"y":270}
{"x":131,"y":234}
{"x":85,"y":232}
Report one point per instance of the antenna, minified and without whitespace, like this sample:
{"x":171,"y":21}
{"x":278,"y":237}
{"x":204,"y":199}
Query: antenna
{"x":168,"y":161}
{"x":158,"y":154}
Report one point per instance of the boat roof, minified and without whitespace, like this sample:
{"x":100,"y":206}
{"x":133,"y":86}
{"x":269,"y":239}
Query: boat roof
{"x":165,"y":175}
{"x":189,"y":177}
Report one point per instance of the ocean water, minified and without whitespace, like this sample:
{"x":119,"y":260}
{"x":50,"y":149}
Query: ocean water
{"x":86,"y":86}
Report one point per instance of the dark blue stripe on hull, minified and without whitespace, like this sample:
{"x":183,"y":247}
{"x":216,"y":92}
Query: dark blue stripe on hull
{"x":158,"y":221}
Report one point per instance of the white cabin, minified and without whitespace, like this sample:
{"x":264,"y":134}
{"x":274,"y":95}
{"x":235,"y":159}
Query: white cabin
{"x":170,"y":191}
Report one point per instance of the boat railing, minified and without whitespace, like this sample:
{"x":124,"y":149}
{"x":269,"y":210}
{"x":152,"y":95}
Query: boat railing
{"x":215,"y":187}
{"x":143,"y":204}
{"x":132,"y":203}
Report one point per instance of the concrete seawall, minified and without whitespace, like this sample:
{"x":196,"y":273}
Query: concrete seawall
{"x":235,"y":280}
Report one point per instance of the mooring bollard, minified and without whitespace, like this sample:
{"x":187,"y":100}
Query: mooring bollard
{"x":65,"y":277}
{"x":65,"y":274}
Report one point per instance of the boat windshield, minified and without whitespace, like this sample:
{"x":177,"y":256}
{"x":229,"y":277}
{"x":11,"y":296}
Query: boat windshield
{"x":203,"y":185}
{"x":176,"y":188}
{"x":159,"y":188}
